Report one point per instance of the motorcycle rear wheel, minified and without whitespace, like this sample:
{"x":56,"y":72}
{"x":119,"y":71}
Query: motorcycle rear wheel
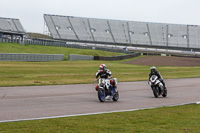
{"x":165,"y":93}
{"x":116,"y":96}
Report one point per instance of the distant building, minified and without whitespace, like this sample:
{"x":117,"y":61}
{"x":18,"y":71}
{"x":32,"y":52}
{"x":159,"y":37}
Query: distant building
{"x":121,"y":32}
{"x":11,"y":29}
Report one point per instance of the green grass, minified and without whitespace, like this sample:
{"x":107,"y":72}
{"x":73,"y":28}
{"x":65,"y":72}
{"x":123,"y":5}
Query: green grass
{"x":38,"y":35}
{"x":178,"y":119}
{"x":37,"y":49}
{"x":166,"y":119}
{"x":76,"y":72}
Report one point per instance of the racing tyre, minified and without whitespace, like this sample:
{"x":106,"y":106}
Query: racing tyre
{"x":165,"y":93}
{"x":155,"y":91}
{"x":101,"y":95}
{"x":116,"y":96}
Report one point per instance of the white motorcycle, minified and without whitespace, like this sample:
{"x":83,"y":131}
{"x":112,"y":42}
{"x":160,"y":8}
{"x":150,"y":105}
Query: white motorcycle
{"x":105,"y":88}
{"x":157,"y":87}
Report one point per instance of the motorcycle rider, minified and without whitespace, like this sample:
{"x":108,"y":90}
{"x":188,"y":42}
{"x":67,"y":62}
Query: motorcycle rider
{"x":155,"y":72}
{"x":104,"y":73}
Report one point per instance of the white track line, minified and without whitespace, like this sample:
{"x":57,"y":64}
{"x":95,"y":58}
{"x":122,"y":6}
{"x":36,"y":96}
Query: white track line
{"x":51,"y":117}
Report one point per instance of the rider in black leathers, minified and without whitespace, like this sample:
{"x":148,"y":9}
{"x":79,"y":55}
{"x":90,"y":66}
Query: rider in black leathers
{"x":155,"y":72}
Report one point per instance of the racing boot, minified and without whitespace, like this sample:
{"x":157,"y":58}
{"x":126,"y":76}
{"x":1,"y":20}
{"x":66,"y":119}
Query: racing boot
{"x":108,"y":97}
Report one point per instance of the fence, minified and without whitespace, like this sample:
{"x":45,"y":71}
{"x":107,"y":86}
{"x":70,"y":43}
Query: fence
{"x":56,"y":43}
{"x":7,"y":40}
{"x":31,"y":57}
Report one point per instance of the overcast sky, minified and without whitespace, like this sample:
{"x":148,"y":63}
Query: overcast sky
{"x":30,"y":12}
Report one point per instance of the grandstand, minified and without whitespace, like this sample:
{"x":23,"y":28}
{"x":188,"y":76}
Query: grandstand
{"x":132,"y":33}
{"x":11,"y":28}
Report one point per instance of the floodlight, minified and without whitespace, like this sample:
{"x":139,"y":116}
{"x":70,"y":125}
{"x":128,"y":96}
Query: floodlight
{"x":69,"y":28}
{"x":57,"y":27}
{"x":146,"y":33}
{"x":185,"y":36}
{"x":92,"y":30}
{"x":131,"y":32}
{"x":170,"y":35}
{"x":107,"y":31}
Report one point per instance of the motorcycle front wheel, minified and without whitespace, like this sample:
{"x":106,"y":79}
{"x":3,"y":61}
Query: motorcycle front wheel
{"x":155,"y":91}
{"x":101,"y":95}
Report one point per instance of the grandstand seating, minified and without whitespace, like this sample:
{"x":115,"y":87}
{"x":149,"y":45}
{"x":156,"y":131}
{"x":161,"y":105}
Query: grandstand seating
{"x":12,"y":28}
{"x":101,"y":31}
{"x":194,"y":36}
{"x":122,"y":32}
{"x":11,"y":25}
{"x":138,"y":35}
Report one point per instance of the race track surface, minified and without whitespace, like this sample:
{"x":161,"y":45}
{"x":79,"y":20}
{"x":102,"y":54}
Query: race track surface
{"x":46,"y":101}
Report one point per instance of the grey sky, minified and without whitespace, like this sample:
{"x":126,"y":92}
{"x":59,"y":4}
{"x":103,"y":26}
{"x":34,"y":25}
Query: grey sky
{"x":30,"y":12}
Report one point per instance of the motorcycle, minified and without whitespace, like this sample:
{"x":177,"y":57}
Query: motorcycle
{"x":104,"y":91}
{"x":157,"y":87}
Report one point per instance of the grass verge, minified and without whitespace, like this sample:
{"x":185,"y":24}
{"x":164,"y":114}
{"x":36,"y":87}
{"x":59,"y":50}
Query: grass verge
{"x":176,"y":119}
{"x":37,"y":49}
{"x":76,"y":72}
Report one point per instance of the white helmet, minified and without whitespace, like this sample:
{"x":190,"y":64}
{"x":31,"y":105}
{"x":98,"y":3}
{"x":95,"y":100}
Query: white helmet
{"x":102,"y":67}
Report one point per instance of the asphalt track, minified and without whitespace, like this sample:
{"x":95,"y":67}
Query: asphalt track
{"x":18,"y":103}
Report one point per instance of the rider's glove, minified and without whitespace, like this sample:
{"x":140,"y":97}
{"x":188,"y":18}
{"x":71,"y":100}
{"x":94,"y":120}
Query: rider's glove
{"x":95,"y":79}
{"x":109,"y":77}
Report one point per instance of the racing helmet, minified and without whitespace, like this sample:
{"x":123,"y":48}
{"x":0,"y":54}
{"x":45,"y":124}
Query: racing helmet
{"x":102,"y":67}
{"x":153,"y":69}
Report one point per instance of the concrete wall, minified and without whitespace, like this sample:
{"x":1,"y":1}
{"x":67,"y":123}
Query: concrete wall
{"x":122,"y":57}
{"x":86,"y":57}
{"x":31,"y":57}
{"x":80,"y":57}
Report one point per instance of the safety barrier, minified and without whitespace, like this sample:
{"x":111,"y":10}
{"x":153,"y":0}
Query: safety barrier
{"x":108,"y":58}
{"x":80,"y":57}
{"x":121,"y":57}
{"x":30,"y":57}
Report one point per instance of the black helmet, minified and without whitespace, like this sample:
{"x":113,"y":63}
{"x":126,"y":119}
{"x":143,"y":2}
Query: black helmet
{"x":153,"y":69}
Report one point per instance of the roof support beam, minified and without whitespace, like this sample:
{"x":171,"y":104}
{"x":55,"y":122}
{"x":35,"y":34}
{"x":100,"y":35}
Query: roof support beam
{"x":111,"y":31}
{"x":90,"y":29}
{"x":129,"y":36}
{"x":149,"y":34}
{"x":55,"y":27}
{"x":73,"y":28}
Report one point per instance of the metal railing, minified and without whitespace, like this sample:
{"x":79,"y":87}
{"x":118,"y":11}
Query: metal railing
{"x":57,"y":43}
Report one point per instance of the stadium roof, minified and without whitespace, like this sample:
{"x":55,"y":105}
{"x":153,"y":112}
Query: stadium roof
{"x":122,"y":32}
{"x":11,"y":25}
